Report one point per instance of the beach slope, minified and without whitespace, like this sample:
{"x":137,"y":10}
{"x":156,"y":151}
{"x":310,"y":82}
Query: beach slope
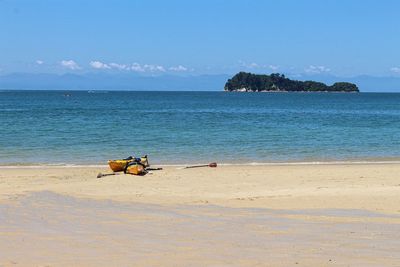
{"x":281,"y":215}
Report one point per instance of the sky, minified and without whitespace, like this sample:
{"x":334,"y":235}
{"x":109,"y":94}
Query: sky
{"x":335,"y":37}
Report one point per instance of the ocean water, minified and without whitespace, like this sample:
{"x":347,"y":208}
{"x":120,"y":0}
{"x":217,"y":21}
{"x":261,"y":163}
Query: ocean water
{"x":56,"y":127}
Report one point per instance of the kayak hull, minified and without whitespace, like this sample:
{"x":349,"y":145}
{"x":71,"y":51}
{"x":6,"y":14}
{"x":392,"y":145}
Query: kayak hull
{"x":119,"y":165}
{"x":136,"y":169}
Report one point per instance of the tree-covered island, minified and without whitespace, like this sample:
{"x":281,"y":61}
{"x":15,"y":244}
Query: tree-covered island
{"x":248,"y":82}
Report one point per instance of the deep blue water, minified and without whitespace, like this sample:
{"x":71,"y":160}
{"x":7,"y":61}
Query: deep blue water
{"x":183,"y":127}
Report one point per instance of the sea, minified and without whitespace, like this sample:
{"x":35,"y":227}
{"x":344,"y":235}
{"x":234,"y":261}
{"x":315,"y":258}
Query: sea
{"x":91,"y":127}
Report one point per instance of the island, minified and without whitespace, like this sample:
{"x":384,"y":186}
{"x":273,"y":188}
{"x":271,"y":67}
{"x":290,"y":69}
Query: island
{"x":249,"y":82}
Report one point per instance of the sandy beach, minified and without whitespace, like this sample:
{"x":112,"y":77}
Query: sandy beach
{"x":269,"y":129}
{"x":275,"y":215}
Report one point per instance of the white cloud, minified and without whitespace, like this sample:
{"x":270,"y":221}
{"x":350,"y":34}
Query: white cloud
{"x":395,"y":70}
{"x":273,"y":67}
{"x":160,"y":68}
{"x":39,"y":62}
{"x":154,"y":68}
{"x":99,"y":65}
{"x":119,"y":66}
{"x":70,"y":64}
{"x":252,"y":65}
{"x":178,"y":68}
{"x":137,"y":67}
{"x":316,"y":69}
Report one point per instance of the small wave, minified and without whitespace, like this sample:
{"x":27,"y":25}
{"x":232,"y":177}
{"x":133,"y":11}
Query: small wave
{"x":38,"y":166}
{"x":13,"y":109}
{"x":69,"y":165}
{"x":97,"y":92}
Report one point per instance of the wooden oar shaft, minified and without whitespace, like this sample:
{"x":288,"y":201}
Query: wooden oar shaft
{"x":105,"y":174}
{"x":212,"y":165}
{"x":196,"y":166}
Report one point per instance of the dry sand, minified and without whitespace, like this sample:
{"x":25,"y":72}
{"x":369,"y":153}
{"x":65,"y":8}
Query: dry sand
{"x":291,"y":215}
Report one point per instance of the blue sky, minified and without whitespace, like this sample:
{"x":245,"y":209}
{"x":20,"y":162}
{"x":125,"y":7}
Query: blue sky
{"x":341,"y":37}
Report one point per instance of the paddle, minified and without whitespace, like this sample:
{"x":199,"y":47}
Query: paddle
{"x":212,"y":165}
{"x":154,"y":169}
{"x":108,"y":174}
{"x":105,"y":174}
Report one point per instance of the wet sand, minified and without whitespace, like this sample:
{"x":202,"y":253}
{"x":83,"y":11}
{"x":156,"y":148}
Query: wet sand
{"x":313,"y":215}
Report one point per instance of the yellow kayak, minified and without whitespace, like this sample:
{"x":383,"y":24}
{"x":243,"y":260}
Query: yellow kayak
{"x":136,"y":169}
{"x":119,"y":165}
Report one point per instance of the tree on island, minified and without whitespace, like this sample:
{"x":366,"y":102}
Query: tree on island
{"x":249,"y":82}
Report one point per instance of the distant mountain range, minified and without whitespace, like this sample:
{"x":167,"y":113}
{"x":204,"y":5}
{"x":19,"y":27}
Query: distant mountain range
{"x":110,"y":81}
{"x":99,"y":81}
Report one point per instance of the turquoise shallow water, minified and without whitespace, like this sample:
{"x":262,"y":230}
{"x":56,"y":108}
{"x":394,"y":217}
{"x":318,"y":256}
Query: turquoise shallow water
{"x":39,"y":127}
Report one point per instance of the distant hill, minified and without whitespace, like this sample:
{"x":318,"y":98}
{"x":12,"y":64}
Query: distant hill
{"x":365,"y":83}
{"x":248,"y":82}
{"x":112,"y":81}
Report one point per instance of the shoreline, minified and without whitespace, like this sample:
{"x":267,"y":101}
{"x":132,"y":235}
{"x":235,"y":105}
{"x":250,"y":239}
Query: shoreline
{"x":287,"y":163}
